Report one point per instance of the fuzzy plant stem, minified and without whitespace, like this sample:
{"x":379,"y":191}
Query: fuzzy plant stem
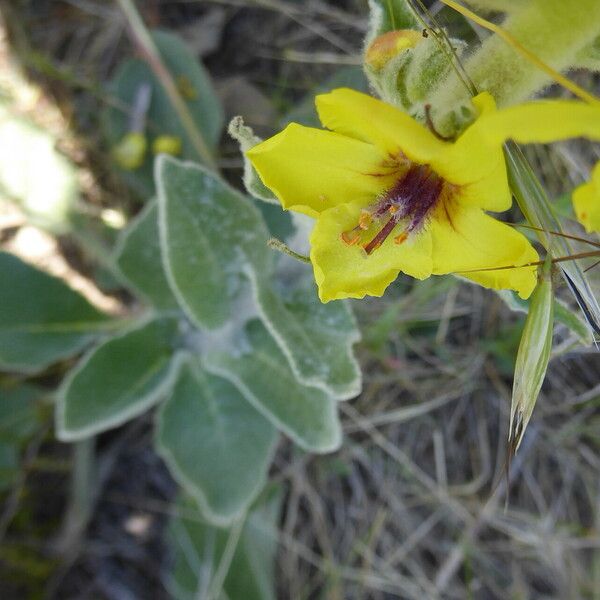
{"x":555,"y":31}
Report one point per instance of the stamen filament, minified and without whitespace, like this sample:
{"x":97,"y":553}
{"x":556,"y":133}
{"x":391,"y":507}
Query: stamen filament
{"x":365,"y":220}
{"x":381,"y":236}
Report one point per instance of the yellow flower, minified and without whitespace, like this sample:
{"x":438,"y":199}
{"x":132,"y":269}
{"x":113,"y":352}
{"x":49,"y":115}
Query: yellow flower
{"x":586,"y":202}
{"x":391,"y":197}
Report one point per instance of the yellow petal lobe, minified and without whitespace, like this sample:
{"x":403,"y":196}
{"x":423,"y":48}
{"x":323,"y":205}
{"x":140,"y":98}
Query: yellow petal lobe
{"x":542,"y":122}
{"x":368,"y":119}
{"x":344,"y":270}
{"x":586,"y":202}
{"x":475,"y":162}
{"x":311,"y":170}
{"x":466,"y":241}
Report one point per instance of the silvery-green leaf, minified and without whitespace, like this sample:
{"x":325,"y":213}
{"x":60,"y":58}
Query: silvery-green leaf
{"x":42,"y":320}
{"x":317,"y":338}
{"x":138,"y":258}
{"x":209,"y":235}
{"x":217,"y":445}
{"x":199,"y":550}
{"x":195,"y":88}
{"x":119,"y":379}
{"x":18,"y":412}
{"x":262,"y":374}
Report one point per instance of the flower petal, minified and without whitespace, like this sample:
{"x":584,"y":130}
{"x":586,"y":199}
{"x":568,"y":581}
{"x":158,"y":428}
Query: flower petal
{"x":472,"y":159}
{"x":542,"y":121}
{"x":586,"y":202}
{"x":465,"y":239}
{"x":366,"y":118}
{"x":311,"y":170}
{"x":490,"y":193}
{"x":343,"y":271}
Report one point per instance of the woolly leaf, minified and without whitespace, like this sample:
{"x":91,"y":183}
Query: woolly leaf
{"x":138,"y":258}
{"x":209,"y":235}
{"x":217,"y":445}
{"x":118,"y":380}
{"x":262,"y":374}
{"x":42,"y":320}
{"x":316,"y":338}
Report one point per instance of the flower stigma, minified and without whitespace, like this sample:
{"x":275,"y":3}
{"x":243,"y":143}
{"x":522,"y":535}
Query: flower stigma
{"x":408,"y":202}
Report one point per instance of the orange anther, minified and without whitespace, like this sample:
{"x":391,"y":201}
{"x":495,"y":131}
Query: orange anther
{"x":350,"y":238}
{"x":393,"y":209}
{"x":400,"y":239}
{"x":365,"y":219}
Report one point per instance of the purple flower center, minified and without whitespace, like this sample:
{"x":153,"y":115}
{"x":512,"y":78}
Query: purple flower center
{"x":409,"y":201}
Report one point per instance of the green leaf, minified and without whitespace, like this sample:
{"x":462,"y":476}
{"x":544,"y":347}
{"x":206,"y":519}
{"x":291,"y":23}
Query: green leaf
{"x":262,"y":374}
{"x":119,"y":380}
{"x":316,"y":338}
{"x":138,"y":257}
{"x":218,"y":447}
{"x":34,"y":174}
{"x":18,"y":413}
{"x":199,"y":550}
{"x":209,"y":235}
{"x":195,"y":88}
{"x":42,"y":320}
{"x":9,"y":465}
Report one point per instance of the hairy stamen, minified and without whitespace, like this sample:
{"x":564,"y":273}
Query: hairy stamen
{"x":412,"y":197}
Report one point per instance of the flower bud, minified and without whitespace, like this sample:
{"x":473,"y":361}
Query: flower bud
{"x":167,"y":144}
{"x":389,"y":45}
{"x":130,"y":152}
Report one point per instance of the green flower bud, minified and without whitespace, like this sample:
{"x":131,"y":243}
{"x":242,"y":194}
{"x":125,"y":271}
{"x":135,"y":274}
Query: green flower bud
{"x":130,"y":152}
{"x":167,"y":144}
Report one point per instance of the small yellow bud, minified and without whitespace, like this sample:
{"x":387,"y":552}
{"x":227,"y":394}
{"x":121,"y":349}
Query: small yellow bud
{"x":129,"y":153}
{"x":167,"y":144}
{"x":390,"y":44}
